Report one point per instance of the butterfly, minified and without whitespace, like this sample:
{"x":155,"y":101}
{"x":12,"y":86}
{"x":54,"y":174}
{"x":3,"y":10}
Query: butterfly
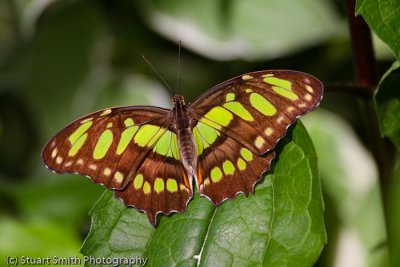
{"x":223,"y":142}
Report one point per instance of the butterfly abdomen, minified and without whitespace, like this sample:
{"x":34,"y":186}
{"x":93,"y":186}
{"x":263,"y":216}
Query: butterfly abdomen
{"x":187,"y":149}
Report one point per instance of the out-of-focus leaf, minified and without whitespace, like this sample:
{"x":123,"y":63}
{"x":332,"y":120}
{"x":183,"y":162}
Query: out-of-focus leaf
{"x":387,"y":100}
{"x":133,"y":90}
{"x":383,"y":18}
{"x":65,"y":200}
{"x":62,"y":51}
{"x":245,"y":29}
{"x":349,"y":179}
{"x":36,"y":238}
{"x":280,"y":225}
{"x":29,"y":12}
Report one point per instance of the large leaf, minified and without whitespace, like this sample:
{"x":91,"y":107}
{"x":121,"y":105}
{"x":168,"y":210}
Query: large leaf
{"x":383,"y":17}
{"x":280,"y":225}
{"x":249,"y":29}
{"x":387,"y":101}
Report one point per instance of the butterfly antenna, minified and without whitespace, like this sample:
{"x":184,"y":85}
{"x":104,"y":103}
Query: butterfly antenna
{"x":178,"y":72}
{"x":157,"y":73}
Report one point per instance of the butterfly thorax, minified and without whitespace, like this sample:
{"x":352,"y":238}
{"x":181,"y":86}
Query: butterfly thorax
{"x":183,"y":128}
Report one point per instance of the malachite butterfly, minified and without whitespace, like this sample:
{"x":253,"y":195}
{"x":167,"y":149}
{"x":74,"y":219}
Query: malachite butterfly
{"x":223,"y":142}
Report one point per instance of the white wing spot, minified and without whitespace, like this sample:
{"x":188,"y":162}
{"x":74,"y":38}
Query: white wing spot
{"x":306,"y":80}
{"x":302,"y":105}
{"x":309,"y":89}
{"x":290,"y":109}
{"x":247,"y":77}
{"x":308,"y":97}
{"x":93,"y":167}
{"x":59,"y":160}
{"x":268,"y":131}
{"x":259,"y":142}
{"x":69,"y":163}
{"x":79,"y":162}
{"x":279,"y":120}
{"x":54,"y":153}
{"x":118,"y":177}
{"x":107,"y":171}
{"x":105,"y":112}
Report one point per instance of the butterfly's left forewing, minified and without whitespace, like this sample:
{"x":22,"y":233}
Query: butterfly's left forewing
{"x":239,"y":123}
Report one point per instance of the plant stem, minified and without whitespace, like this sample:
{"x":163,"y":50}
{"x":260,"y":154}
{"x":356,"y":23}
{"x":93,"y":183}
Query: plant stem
{"x":366,"y":76}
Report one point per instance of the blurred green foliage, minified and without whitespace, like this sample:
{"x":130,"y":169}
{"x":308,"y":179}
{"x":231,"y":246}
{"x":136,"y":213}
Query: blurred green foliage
{"x":62,"y":59}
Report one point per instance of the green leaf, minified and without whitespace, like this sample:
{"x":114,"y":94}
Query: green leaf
{"x":387,"y":100}
{"x":280,"y":225}
{"x":383,"y":18}
{"x":245,"y":29}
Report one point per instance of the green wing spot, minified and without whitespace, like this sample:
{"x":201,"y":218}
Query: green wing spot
{"x":279,"y":82}
{"x":125,"y":139}
{"x":216,"y":175}
{"x":211,"y":123}
{"x":77,"y":145}
{"x":158,"y":185}
{"x":262,"y":105}
{"x":103,"y":144}
{"x":78,"y":132}
{"x":246,"y":154}
{"x":241,"y":164}
{"x":198,"y":140}
{"x":138,"y":182}
{"x":219,"y":115}
{"x":285,"y":93}
{"x":163,"y":144}
{"x":129,"y":122}
{"x":146,"y":188}
{"x":206,"y":133}
{"x":173,"y":152}
{"x":148,"y":134}
{"x":172,"y":185}
{"x":239,"y":110}
{"x":228,"y":167}
{"x":230,"y":97}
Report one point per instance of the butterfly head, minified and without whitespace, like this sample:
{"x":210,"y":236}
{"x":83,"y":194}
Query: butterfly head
{"x":178,"y":101}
